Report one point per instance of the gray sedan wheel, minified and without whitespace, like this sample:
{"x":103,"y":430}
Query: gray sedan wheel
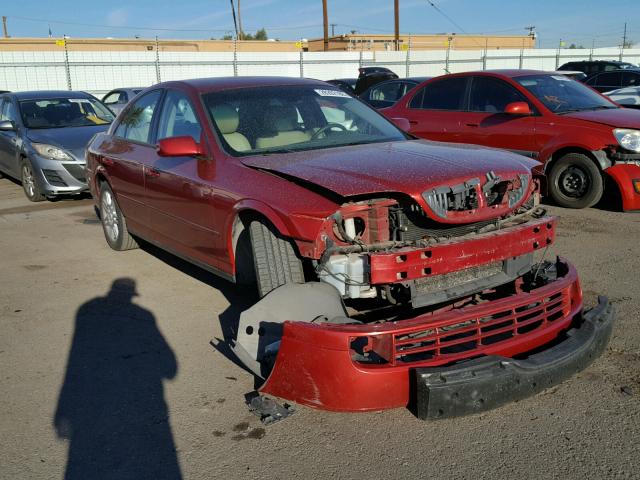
{"x":114,"y":224}
{"x":29,"y":183}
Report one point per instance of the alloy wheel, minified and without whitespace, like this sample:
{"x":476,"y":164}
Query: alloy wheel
{"x":109,"y":215}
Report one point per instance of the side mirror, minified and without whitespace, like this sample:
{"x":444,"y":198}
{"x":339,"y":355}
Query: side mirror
{"x":401,"y":123}
{"x":518,"y":108}
{"x":7,"y":126}
{"x":184,"y":146}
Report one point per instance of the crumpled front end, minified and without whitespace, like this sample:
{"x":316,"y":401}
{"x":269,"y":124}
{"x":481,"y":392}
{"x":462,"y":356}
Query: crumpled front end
{"x":342,"y":364}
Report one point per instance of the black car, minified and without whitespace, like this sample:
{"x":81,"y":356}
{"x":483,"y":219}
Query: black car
{"x":613,"y":80}
{"x":596,"y":66}
{"x":43,"y":136}
{"x":387,"y":93}
{"x":369,"y":76}
{"x":346,"y":84}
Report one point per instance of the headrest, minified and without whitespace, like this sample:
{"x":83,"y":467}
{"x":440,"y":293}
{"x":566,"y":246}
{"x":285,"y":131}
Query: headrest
{"x":226,"y":118}
{"x":282,"y":118}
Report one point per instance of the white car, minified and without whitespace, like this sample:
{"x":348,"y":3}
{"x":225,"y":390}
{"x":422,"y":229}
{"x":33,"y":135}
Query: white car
{"x":627,"y":97}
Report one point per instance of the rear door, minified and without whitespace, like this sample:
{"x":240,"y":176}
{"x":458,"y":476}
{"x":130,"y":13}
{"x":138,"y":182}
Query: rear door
{"x":181,"y":199}
{"x":630,"y":79}
{"x":435,"y":110}
{"x":485,"y":122}
{"x":125,"y":155}
{"x":10,"y":141}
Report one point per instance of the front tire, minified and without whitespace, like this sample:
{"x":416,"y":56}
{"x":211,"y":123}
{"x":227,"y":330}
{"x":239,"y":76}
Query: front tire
{"x":275,"y":259}
{"x":113,"y":222}
{"x":576,"y":182}
{"x":29,"y":183}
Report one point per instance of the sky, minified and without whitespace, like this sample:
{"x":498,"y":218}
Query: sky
{"x":582,"y":22}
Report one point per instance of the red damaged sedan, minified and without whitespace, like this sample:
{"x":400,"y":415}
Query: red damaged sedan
{"x":580,"y":136}
{"x":394,"y":271}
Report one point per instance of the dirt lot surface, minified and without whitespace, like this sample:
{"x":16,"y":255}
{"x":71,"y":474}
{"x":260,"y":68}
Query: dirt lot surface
{"x":103,"y":384}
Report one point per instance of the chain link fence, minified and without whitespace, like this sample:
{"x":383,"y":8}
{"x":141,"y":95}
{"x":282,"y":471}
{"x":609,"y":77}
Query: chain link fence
{"x":98,"y":72}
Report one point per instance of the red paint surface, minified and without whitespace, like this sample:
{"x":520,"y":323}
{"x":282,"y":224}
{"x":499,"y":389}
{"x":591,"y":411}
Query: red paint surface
{"x":314,"y":366}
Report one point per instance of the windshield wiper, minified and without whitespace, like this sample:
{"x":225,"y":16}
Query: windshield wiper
{"x":588,"y":109}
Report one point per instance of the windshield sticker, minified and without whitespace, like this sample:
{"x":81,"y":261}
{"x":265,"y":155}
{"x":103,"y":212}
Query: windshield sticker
{"x":331,"y":93}
{"x":561,"y":78}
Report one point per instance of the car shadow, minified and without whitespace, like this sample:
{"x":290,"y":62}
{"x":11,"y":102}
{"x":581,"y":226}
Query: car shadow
{"x":111,"y":408}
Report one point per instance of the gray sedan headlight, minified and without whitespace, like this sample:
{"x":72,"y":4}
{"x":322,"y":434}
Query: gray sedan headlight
{"x":629,"y":139}
{"x":51,"y":152}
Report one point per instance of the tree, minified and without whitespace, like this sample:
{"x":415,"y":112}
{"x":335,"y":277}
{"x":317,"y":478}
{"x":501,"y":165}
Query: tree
{"x":227,"y":37}
{"x":261,"y":35}
{"x":573,"y":46}
{"x":628,"y":44}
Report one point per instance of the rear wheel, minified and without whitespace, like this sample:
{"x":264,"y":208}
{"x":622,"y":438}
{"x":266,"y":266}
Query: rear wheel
{"x":114,"y":224}
{"x":29,"y":183}
{"x":575,"y":182}
{"x":275,"y":259}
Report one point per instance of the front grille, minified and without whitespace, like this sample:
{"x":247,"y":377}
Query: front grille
{"x":471,"y":336}
{"x":53,"y":178}
{"x":77,"y":171}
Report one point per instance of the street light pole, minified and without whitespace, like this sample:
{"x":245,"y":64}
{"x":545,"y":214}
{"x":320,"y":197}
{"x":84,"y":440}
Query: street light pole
{"x":396,"y":8}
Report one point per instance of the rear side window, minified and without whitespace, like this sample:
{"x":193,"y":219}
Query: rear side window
{"x":389,"y":92}
{"x":492,"y":95}
{"x":114,"y":98}
{"x":136,"y":123}
{"x":445,"y":94}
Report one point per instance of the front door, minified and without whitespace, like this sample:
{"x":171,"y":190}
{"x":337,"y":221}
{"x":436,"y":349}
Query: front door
{"x":181,"y":199}
{"x":485,"y":123}
{"x":9,"y":140}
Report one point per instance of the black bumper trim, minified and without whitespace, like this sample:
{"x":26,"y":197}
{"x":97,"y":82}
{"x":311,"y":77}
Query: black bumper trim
{"x":488,"y":382}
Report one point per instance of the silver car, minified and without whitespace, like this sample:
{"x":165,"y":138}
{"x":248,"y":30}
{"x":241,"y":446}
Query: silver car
{"x":43,"y":136}
{"x":117,"y":99}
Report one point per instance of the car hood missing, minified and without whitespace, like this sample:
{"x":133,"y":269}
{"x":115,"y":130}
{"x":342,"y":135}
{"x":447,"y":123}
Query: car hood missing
{"x":409,"y":167}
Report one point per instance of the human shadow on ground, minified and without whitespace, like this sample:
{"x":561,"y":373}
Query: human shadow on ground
{"x":111,"y":407}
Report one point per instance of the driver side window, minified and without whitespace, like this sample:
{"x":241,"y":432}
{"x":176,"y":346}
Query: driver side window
{"x":178,"y":117}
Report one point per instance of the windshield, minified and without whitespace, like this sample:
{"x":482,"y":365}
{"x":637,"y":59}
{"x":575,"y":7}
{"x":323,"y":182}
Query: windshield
{"x":265,"y":120}
{"x":562,"y":95}
{"x":64,"y":112}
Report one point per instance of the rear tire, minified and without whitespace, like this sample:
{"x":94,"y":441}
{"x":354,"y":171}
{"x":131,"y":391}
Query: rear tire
{"x":29,"y":183}
{"x":275,"y":259}
{"x":113,"y":222}
{"x":576,"y":182}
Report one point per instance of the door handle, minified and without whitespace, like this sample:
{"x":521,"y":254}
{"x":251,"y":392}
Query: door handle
{"x":413,"y":122}
{"x":473,"y":124}
{"x":152,"y":172}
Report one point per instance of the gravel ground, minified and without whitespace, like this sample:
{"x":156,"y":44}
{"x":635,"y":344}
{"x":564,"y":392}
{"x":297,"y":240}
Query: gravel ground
{"x":152,"y":397}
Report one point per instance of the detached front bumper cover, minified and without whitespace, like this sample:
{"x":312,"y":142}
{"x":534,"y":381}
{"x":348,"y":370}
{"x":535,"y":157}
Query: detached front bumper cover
{"x":488,"y":382}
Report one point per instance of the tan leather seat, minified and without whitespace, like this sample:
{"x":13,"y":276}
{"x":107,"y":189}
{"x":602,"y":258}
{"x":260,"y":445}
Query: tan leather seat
{"x":227,"y":120}
{"x":284,"y":120}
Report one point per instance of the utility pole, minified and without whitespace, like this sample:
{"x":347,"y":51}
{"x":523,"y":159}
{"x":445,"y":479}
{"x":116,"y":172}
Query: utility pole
{"x":240,"y":32}
{"x":396,"y":8}
{"x":624,"y":35}
{"x":6,"y":33}
{"x":333,"y":32}
{"x":325,"y":21}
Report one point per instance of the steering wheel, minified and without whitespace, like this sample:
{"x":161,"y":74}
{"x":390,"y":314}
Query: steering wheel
{"x":328,"y":127}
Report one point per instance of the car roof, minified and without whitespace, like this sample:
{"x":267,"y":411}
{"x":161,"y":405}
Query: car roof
{"x":224,"y":83}
{"x":39,"y":94}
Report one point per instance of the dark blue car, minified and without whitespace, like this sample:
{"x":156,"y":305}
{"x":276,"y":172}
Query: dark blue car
{"x":43,"y":136}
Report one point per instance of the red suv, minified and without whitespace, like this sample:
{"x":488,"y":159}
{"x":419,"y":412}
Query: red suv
{"x":319,"y":199}
{"x":577,"y":133}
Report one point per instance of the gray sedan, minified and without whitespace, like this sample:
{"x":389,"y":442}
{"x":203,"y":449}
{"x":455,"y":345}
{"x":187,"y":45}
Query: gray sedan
{"x":117,"y":99}
{"x":43,"y":136}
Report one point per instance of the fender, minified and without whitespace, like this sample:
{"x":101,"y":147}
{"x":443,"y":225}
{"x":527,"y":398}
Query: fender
{"x":262,"y":208}
{"x":624,"y":175}
{"x":600,"y":155}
